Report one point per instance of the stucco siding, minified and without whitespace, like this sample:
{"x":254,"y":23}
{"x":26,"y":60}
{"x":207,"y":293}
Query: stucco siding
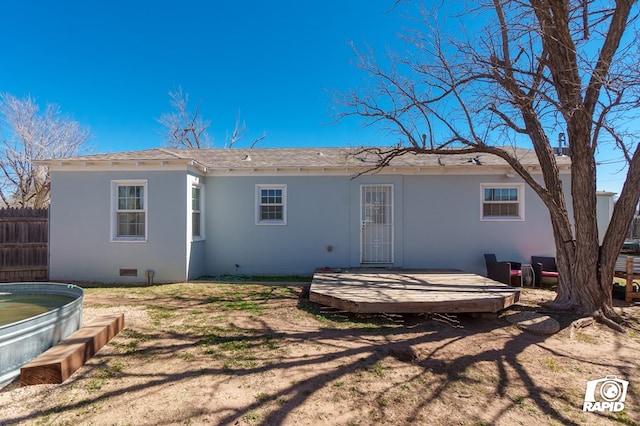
{"x":197,"y":260}
{"x":196,"y":245}
{"x":443,"y":226}
{"x":316,"y":233}
{"x":80,"y":228}
{"x":437,"y":224}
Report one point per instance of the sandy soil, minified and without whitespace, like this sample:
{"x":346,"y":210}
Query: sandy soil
{"x":212,"y":354}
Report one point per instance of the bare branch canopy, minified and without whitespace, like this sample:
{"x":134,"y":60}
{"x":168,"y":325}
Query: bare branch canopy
{"x":185,"y":128}
{"x":28,"y":134}
{"x":516,"y":74}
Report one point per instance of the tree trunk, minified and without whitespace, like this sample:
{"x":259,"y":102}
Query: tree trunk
{"x":582,"y":285}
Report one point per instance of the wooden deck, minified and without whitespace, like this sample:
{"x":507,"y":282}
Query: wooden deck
{"x":410,"y":291}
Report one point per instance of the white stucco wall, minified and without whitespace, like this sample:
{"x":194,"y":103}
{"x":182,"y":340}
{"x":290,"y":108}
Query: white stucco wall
{"x":443,"y":226}
{"x":80,"y":228}
{"x":317,"y":217}
{"x":437,"y":224}
{"x":196,"y":247}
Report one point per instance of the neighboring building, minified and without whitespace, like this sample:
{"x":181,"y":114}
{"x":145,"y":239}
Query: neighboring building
{"x":605,"y":203}
{"x":604,"y":211}
{"x":183,"y":214}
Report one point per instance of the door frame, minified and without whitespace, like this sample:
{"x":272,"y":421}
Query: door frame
{"x":391,"y":224}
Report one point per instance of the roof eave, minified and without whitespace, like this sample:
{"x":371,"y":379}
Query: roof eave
{"x":158,"y":164}
{"x":389,"y":170}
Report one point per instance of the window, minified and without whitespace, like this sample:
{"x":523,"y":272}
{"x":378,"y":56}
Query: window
{"x":271,"y":204}
{"x":502,"y":202}
{"x":196,"y":216}
{"x":129,"y":220}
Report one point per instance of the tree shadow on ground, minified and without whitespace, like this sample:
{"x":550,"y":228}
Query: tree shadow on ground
{"x":360,"y":346}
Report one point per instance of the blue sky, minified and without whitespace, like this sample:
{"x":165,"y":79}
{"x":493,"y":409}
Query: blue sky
{"x":110,"y":66}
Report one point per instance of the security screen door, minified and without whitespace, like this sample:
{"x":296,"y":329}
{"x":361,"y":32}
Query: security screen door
{"x":376,"y":224}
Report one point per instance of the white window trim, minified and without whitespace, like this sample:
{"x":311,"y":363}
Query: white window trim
{"x":194,"y":182}
{"x":519,"y":187}
{"x":114,"y":210}
{"x":260,"y":187}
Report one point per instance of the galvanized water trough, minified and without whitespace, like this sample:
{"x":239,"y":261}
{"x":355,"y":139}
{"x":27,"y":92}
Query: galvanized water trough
{"x":24,"y":340}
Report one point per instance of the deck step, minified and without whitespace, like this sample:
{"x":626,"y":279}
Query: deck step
{"x":59,"y":362}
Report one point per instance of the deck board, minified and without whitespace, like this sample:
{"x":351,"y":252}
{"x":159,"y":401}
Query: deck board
{"x":410,"y":291}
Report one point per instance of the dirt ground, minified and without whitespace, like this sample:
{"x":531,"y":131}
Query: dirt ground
{"x":244,"y":354}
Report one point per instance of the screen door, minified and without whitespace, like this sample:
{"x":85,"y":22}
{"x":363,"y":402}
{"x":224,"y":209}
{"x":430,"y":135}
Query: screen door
{"x":376,"y":224}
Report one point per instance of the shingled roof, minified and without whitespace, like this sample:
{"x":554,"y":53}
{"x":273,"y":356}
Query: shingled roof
{"x":299,"y":158}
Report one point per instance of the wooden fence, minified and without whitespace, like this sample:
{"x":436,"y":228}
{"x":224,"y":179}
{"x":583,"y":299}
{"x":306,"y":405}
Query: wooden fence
{"x":24,"y":247}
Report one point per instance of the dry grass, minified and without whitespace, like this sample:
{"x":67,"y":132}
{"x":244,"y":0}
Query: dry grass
{"x":205,"y":353}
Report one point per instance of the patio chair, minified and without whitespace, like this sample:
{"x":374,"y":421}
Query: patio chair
{"x":504,"y":272}
{"x":544,"y":269}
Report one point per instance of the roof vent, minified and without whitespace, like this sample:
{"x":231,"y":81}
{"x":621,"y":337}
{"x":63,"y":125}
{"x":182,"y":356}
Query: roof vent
{"x":475,"y":160}
{"x":246,"y":158}
{"x":562,"y":148}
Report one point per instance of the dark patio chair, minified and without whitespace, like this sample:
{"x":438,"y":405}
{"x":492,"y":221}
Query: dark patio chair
{"x":504,"y":272}
{"x":543,"y":267}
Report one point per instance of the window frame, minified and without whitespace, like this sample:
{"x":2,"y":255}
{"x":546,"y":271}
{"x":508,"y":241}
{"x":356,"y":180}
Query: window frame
{"x":200,"y":187}
{"x":519,"y":187}
{"x":259,"y":205}
{"x":115,"y":184}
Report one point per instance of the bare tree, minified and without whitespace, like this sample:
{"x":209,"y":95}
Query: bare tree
{"x":239,"y":133}
{"x":186,"y":129}
{"x":535,"y":69}
{"x":27,"y":134}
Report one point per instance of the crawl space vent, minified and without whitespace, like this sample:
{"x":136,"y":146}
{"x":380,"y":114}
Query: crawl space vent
{"x":128,"y":272}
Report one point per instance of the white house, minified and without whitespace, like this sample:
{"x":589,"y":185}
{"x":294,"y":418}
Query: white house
{"x":181,"y":214}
